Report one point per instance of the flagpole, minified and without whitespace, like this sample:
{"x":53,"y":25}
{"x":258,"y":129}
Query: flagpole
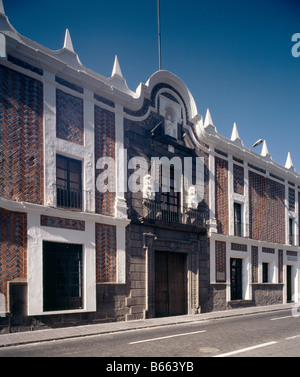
{"x":159,"y":35}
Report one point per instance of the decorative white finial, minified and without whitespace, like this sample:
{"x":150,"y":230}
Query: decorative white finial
{"x":235,"y":133}
{"x":68,"y":45}
{"x":208,"y":120}
{"x":235,"y":137}
{"x":265,"y":152}
{"x":208,"y":123}
{"x":116,"y":69}
{"x":2,"y":7}
{"x":289,"y":162}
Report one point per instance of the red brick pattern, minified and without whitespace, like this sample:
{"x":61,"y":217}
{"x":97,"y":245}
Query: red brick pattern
{"x":268,"y":250}
{"x":104,"y":147}
{"x":221,"y":192}
{"x":13,"y":248}
{"x":58,"y":222}
{"x":291,"y":253}
{"x":69,"y":117}
{"x":220,"y":262}
{"x":238,"y":247}
{"x":106,"y":254}
{"x":254,"y":259}
{"x":21,"y":137}
{"x":238,"y":179}
{"x":292,"y":199}
{"x":267,"y":210}
{"x":280,"y":266}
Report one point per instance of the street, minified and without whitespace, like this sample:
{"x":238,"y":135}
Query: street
{"x":272,"y":334}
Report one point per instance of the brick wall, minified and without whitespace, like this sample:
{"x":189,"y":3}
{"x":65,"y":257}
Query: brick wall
{"x":13,"y":248}
{"x":21,"y":137}
{"x":58,"y":222}
{"x":266,"y":209}
{"x":238,"y":179}
{"x":292,"y":199}
{"x":104,"y":147}
{"x":280,"y":266}
{"x":220,"y":262}
{"x":221,"y":194}
{"x":254,"y":259}
{"x":106,"y":254}
{"x":69,"y":117}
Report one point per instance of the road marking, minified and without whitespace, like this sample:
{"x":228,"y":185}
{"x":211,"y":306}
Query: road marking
{"x":278,"y":318}
{"x":293,"y":337}
{"x":168,"y":337}
{"x":246,"y":349}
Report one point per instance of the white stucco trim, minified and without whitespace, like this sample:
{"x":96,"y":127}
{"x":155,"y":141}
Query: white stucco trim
{"x":36,"y":235}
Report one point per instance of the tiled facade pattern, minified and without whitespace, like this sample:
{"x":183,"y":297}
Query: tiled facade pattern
{"x":254,"y":260}
{"x":13,"y":248}
{"x":21,"y":137}
{"x":104,"y":147}
{"x":280,"y":266}
{"x":238,"y":179}
{"x":25,"y":65}
{"x":238,"y":247}
{"x":292,"y":199}
{"x":266,"y":209}
{"x":220,"y":262}
{"x":268,"y":250}
{"x":221,"y":194}
{"x":106,"y":254}
{"x":57,"y":222}
{"x":69,"y":117}
{"x":291,"y":253}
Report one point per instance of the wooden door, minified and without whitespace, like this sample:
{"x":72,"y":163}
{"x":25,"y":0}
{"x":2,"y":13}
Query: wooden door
{"x":170,"y":284}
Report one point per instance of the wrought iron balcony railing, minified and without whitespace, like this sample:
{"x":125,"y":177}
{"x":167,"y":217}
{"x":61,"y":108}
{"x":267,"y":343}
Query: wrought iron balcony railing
{"x":158,"y":211}
{"x":72,"y":199}
{"x":241,"y":229}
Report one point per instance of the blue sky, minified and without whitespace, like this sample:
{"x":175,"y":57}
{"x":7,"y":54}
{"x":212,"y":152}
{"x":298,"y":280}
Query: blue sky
{"x":234,"y":55}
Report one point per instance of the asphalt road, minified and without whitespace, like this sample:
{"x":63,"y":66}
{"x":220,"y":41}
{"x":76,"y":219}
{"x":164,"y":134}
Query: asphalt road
{"x":273,"y":334}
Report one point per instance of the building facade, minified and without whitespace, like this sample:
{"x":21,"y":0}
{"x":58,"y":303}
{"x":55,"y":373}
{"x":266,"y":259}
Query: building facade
{"x":253,"y":226}
{"x":120,"y":205}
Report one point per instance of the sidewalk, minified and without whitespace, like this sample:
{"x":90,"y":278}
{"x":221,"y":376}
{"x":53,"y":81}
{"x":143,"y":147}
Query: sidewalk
{"x":8,"y":340}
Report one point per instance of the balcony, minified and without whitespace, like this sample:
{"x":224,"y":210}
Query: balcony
{"x":241,"y":229}
{"x":72,"y":199}
{"x":168,"y":213}
{"x":291,"y":239}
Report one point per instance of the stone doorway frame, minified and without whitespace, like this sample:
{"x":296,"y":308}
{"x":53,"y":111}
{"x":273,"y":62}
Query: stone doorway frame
{"x":192,"y":250}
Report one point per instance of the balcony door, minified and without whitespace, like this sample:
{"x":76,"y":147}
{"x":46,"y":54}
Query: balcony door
{"x":170,"y":200}
{"x":68,"y":183}
{"x":238,"y":220}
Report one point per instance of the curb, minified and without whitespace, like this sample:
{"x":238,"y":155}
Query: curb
{"x":48,"y":335}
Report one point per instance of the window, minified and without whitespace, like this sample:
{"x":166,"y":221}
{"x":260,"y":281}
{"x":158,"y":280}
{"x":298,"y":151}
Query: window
{"x":68,"y":183}
{"x":170,"y":200}
{"x":62,"y":276}
{"x":238,"y":219}
{"x":265,"y":271}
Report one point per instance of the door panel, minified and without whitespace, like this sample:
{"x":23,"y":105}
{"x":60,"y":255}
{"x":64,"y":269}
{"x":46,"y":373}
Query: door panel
{"x":289,"y":283}
{"x":170,"y":284}
{"x":236,"y":279}
{"x":161,"y":285}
